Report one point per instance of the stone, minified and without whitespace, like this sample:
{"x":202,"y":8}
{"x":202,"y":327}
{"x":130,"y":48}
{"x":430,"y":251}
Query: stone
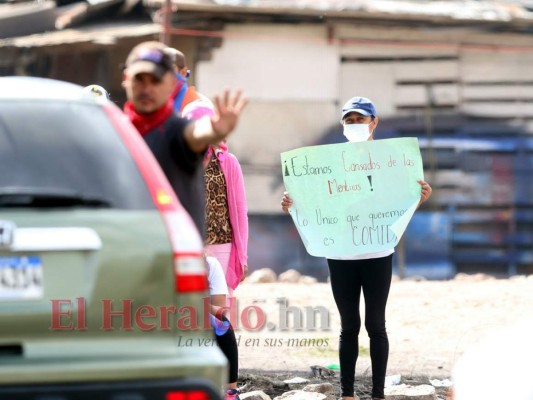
{"x":280,"y":385}
{"x":296,"y":379}
{"x":255,"y":395}
{"x":331,"y":396}
{"x":408,"y":392}
{"x":289,"y":276}
{"x":307,"y":280}
{"x":263,"y":275}
{"x":319,"y":388}
{"x":301,"y":395}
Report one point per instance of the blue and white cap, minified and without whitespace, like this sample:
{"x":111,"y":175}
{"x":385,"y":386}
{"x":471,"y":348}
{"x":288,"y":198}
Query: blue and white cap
{"x":361,"y":105}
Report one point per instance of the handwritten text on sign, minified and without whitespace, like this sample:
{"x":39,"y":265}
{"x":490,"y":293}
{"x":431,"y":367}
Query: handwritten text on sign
{"x":353,"y":198}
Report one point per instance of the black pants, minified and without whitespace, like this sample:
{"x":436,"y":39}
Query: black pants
{"x":348,"y":277}
{"x":228,"y":344}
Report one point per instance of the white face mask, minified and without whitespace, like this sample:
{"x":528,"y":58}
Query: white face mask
{"x":357,"y":132}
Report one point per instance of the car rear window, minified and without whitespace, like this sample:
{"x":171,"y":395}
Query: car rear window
{"x":59,"y":147}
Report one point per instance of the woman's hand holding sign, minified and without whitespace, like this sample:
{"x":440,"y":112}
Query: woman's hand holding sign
{"x":286,"y":202}
{"x":426,"y":191}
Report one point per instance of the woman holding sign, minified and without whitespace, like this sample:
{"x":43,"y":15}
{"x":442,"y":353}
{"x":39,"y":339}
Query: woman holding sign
{"x":370,"y":273}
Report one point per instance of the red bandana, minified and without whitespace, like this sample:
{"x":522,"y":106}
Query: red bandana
{"x":147,"y":122}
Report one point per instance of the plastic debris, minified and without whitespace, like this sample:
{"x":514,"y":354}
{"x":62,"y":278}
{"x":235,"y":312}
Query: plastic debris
{"x":220,"y":327}
{"x":392,"y":380}
{"x":296,"y":380}
{"x":317,"y":371}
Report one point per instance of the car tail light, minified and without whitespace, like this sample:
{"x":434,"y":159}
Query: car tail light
{"x":190,"y":272}
{"x":190,"y":395}
{"x":189,"y":266}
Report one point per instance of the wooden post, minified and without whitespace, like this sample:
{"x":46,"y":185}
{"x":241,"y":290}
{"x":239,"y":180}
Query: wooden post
{"x":166,"y":19}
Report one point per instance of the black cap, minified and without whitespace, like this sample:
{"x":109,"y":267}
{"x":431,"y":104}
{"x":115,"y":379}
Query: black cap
{"x":149,"y":58}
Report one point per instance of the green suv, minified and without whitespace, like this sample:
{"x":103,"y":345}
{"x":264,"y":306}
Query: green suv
{"x":103,"y":286}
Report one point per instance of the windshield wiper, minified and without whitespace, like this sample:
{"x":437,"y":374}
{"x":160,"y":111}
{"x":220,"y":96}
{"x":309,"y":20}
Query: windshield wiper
{"x":32,"y":197}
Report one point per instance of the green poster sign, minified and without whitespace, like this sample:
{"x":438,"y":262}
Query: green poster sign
{"x":353,"y":198}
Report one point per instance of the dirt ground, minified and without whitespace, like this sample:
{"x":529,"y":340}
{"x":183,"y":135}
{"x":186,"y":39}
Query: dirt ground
{"x":272,"y":383}
{"x":430,"y":324}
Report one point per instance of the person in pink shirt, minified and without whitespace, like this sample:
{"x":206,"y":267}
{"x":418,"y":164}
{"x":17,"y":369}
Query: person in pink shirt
{"x":226,"y":207}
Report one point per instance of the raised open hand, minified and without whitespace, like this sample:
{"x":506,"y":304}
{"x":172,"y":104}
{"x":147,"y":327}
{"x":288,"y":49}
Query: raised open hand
{"x":228,"y":108}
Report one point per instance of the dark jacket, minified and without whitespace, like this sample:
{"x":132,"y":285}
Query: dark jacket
{"x":181,"y":165}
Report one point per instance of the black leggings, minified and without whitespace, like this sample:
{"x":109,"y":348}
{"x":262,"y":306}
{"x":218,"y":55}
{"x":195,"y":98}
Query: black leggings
{"x":228,"y":344}
{"x":348,"y":277}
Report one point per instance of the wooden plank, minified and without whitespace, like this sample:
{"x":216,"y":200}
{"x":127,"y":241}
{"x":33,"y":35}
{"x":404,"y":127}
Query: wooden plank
{"x":495,"y":128}
{"x":481,"y":216}
{"x":504,"y":92}
{"x":482,"y":238}
{"x":459,"y":179}
{"x":473,"y":198}
{"x":441,"y":37}
{"x":498,"y":110}
{"x":496,"y":72}
{"x":450,"y":178}
{"x":498,"y":55}
{"x":418,"y":95}
{"x":496,"y":66}
{"x":446,"y":94}
{"x":426,"y":71}
{"x":410,"y":95}
{"x":396,"y":50}
{"x":76,"y":37}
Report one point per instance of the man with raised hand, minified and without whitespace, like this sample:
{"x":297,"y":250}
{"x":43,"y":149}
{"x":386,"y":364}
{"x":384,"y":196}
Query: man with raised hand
{"x":177,"y":144}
